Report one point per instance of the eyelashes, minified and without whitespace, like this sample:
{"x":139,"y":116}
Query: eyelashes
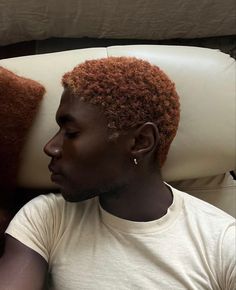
{"x":71,"y":135}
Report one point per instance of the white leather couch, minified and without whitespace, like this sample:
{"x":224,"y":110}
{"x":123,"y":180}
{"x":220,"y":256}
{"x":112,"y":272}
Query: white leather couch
{"x":204,"y":150}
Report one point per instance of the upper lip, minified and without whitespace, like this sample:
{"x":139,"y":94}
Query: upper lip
{"x":53,"y":168}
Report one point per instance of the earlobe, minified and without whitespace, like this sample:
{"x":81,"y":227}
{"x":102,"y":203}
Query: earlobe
{"x":146,"y":139}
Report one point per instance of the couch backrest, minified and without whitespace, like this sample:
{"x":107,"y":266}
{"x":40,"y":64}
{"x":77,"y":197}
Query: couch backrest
{"x":205,"y":81}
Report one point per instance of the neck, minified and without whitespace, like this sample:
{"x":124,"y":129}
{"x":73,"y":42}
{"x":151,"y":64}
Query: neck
{"x":143,"y":200}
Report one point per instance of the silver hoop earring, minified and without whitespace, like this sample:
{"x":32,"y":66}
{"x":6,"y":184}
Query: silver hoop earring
{"x":135,"y":161}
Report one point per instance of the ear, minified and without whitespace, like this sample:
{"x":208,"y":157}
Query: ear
{"x":145,"y":140}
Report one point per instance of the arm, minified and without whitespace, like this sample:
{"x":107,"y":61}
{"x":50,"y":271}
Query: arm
{"x":228,"y":258}
{"x":21,"y":268}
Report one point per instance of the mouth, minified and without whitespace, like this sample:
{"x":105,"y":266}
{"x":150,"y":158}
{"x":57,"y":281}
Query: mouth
{"x":56,"y":178}
{"x":56,"y":175}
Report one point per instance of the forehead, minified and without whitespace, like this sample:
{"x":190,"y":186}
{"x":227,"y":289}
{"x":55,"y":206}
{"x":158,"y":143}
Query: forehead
{"x":71,"y":109}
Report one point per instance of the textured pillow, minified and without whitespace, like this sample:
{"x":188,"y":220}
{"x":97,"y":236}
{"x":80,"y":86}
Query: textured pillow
{"x":19,"y":101}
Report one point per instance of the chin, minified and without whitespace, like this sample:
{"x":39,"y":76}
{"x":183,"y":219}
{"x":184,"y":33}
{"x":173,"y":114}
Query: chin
{"x":77,"y":196}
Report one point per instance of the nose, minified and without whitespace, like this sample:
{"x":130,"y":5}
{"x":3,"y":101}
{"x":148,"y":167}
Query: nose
{"x":54,"y":147}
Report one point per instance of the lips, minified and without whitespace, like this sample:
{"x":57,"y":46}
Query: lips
{"x":53,"y":168}
{"x":57,"y":178}
{"x":56,"y":175}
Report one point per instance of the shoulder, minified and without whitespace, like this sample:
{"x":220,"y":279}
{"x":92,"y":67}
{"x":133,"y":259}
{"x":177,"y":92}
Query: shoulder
{"x":203,"y":219}
{"x":53,"y":207}
{"x":213,"y":233}
{"x":40,"y":223}
{"x":42,"y":202}
{"x":54,"y":204}
{"x":198,"y":209}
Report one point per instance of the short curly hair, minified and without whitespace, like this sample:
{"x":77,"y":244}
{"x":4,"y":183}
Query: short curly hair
{"x":130,"y":91}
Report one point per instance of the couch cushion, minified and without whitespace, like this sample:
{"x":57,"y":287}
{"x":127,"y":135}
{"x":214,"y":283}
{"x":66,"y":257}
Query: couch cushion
{"x":19,"y":98}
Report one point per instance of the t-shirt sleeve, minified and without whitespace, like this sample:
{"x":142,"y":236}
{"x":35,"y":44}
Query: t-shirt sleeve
{"x":228,"y":258}
{"x":33,"y":225}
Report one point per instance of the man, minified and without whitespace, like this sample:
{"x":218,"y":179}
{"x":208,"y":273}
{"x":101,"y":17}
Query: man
{"x":116,"y":224}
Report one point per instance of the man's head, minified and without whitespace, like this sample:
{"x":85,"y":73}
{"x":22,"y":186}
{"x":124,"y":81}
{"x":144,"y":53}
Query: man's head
{"x":130,"y":92}
{"x":112,"y":111}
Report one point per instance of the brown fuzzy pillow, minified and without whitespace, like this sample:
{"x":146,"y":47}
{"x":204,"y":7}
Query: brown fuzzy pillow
{"x":19,"y":101}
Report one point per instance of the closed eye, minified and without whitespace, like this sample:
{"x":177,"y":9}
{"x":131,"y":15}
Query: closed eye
{"x":71,"y":135}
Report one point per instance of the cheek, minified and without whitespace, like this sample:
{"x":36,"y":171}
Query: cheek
{"x":85,"y":154}
{"x":93,"y":161}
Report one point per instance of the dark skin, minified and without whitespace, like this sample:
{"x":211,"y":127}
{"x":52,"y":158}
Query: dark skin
{"x":21,"y":268}
{"x":85,"y":162}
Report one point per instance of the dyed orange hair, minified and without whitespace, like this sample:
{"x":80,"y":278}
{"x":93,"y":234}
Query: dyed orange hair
{"x":130,"y":91}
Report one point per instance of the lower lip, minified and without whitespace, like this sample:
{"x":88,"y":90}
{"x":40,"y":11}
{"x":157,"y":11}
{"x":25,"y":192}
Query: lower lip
{"x":56,"y":177}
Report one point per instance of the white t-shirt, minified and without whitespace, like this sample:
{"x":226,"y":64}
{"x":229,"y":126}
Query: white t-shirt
{"x":191,"y":247}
